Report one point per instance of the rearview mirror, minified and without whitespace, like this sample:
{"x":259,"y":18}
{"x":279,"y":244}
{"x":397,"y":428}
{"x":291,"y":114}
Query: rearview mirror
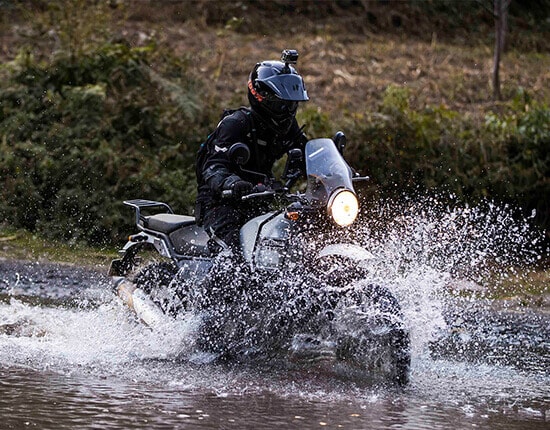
{"x":340,"y":141}
{"x":294,"y":160}
{"x":295,"y":155}
{"x":239,"y":153}
{"x":293,"y":167}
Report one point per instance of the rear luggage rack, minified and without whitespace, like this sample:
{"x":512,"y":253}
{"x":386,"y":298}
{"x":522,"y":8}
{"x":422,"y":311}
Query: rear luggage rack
{"x":138,"y":204}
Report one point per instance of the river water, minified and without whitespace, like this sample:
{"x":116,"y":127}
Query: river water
{"x":72,"y":356}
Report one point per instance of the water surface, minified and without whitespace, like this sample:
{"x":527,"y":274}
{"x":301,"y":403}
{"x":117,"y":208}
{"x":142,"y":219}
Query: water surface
{"x":72,"y":357}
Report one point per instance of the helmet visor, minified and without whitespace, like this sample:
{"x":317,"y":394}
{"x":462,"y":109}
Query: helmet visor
{"x":287,"y":87}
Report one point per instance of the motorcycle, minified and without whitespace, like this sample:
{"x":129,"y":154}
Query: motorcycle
{"x":300,"y":288}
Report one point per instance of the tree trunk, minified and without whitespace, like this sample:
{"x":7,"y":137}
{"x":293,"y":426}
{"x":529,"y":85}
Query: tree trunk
{"x":500,"y":9}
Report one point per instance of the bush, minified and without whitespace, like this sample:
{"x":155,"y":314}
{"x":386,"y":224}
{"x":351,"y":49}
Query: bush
{"x":316,"y":123}
{"x":507,"y":159}
{"x":522,"y":168}
{"x":79,"y":134}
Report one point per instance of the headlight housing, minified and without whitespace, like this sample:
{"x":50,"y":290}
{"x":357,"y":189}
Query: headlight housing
{"x":343,"y":207}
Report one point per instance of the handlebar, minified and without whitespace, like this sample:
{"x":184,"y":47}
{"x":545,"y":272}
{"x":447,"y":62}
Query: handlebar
{"x":266,"y":193}
{"x":282,"y":191}
{"x":227,"y":194}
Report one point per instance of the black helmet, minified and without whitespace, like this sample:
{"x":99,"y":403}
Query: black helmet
{"x":274,"y":90}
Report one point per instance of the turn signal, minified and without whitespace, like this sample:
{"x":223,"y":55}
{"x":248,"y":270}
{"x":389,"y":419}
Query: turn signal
{"x":293,"y":216}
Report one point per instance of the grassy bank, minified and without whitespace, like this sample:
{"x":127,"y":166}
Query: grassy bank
{"x":24,"y":245}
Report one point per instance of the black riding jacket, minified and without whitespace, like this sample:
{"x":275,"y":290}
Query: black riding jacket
{"x":215,"y":172}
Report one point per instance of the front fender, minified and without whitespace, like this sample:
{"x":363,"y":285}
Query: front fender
{"x":341,"y":263}
{"x":349,"y":251}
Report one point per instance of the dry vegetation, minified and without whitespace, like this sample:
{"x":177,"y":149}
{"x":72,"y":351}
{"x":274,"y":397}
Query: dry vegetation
{"x":347,"y":64}
{"x":349,"y":54}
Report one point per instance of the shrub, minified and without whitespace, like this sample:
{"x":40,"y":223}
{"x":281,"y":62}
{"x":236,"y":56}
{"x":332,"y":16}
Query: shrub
{"x":507,"y":159}
{"x":79,"y":134}
{"x":316,"y":123}
{"x":522,"y":167}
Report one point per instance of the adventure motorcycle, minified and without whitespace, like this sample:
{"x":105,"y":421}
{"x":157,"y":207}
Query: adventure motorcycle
{"x":300,"y":287}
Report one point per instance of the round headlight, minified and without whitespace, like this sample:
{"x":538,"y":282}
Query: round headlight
{"x":343,"y":207}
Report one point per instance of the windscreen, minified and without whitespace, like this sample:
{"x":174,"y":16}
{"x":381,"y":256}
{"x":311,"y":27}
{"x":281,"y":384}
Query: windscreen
{"x":326,"y":171}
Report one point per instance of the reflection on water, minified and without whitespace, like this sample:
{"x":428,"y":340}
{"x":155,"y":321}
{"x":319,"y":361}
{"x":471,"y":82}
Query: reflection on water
{"x":47,"y":399}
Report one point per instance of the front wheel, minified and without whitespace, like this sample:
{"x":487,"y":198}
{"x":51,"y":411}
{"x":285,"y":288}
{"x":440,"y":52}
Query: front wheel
{"x":371,"y":335}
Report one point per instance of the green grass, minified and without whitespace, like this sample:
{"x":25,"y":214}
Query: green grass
{"x":24,"y":245}
{"x":528,"y":286}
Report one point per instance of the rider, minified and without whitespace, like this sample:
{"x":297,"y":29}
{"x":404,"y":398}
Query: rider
{"x":268,"y":128}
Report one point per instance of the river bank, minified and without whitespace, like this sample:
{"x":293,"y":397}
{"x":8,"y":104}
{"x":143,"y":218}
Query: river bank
{"x":21,"y":245}
{"x":530,"y":287}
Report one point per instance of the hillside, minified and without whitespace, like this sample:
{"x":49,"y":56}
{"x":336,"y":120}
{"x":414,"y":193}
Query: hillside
{"x":350,"y":54}
{"x":104,"y":101}
{"x":349,"y":51}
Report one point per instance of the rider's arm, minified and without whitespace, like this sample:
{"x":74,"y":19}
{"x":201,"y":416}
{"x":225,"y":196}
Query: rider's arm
{"x":218,"y":171}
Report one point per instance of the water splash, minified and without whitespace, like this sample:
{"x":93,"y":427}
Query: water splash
{"x":433,"y":252}
{"x":425,"y":251}
{"x":103,"y":335}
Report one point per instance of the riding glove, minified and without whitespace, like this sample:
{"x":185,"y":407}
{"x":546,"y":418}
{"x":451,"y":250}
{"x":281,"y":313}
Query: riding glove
{"x":241,"y":188}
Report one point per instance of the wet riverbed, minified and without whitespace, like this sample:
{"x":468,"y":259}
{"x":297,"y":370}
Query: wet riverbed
{"x":72,"y":357}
